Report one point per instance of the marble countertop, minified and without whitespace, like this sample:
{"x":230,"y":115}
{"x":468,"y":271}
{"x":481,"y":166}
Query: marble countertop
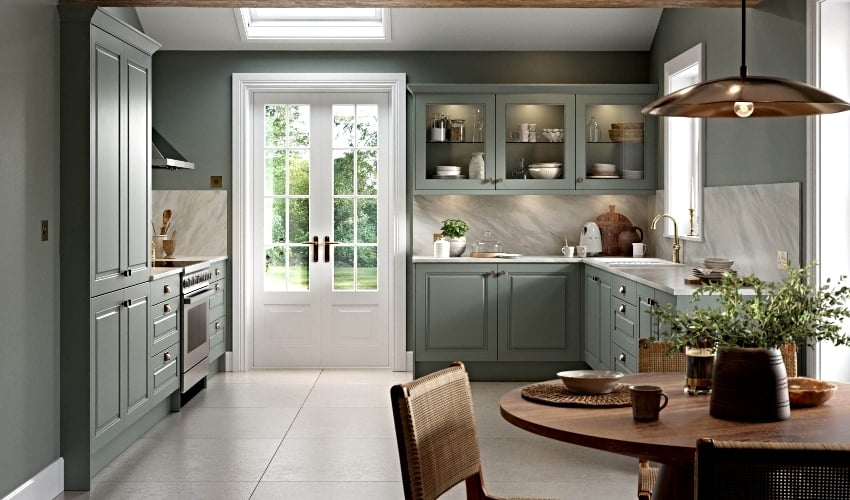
{"x":159,"y":272}
{"x":669,"y":278}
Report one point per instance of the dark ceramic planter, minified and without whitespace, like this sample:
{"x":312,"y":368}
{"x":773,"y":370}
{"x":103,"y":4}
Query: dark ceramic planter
{"x":749,"y":384}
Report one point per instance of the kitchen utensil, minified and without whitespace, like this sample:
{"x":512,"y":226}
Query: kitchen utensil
{"x":646,"y":402}
{"x":166,"y":220}
{"x":581,"y":251}
{"x":628,"y":236}
{"x":568,"y":251}
{"x":168,"y":247}
{"x":638,"y":250}
{"x":610,"y":225}
{"x":591,"y":239}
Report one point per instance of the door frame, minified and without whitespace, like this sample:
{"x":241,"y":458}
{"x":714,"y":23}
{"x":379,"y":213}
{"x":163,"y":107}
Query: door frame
{"x":244,"y":86}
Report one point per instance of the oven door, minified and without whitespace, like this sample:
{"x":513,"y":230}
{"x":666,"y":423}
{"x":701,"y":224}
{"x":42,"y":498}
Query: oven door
{"x":196,"y":346}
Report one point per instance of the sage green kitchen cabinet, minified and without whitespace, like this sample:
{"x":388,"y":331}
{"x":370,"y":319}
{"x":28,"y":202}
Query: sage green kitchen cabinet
{"x":217,"y":312}
{"x":120,"y":388}
{"x":502,"y":313}
{"x":164,"y":339}
{"x":105,"y":130}
{"x":597,"y":319}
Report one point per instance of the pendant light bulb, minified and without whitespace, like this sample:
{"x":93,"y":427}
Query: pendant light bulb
{"x":743,"y":109}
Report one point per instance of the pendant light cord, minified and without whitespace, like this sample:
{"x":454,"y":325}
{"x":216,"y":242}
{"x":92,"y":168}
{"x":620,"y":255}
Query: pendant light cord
{"x":743,"y":39}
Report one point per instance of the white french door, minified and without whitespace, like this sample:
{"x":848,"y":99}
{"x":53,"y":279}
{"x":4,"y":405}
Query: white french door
{"x":320,"y":244}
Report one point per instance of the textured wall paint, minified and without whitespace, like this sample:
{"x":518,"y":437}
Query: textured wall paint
{"x":29,"y":298}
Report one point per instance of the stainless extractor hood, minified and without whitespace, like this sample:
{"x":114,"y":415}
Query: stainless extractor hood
{"x":163,"y":154}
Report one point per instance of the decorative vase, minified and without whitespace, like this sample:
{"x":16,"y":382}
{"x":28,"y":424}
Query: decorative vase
{"x":476,"y":166}
{"x":457,"y":246}
{"x":699,"y":366}
{"x":749,"y":384}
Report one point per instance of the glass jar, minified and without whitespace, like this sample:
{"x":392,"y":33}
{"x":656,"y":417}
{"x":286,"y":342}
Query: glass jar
{"x":458,"y":131}
{"x":439,"y":128}
{"x":593,"y":132}
{"x":488,"y":244}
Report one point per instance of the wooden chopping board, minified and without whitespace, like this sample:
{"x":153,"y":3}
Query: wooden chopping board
{"x":610,"y":225}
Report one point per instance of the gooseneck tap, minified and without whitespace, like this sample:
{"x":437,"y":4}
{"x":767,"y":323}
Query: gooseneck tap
{"x":676,"y":245}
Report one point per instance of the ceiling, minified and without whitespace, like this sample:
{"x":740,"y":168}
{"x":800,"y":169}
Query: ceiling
{"x":519,"y":29}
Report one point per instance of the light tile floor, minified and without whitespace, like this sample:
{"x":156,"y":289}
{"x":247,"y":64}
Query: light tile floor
{"x":328,"y":434}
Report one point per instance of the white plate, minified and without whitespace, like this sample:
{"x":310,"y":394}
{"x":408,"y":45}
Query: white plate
{"x":614,"y":176}
{"x":545,"y":165}
{"x":448,"y":176}
{"x":510,"y":255}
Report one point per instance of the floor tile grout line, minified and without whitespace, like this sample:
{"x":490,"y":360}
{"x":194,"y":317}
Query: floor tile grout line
{"x":306,"y":397}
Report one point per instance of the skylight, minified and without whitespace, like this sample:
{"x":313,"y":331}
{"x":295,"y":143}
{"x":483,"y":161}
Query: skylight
{"x":314,"y":24}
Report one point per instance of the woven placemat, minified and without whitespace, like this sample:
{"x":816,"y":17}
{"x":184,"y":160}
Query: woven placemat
{"x":558,"y":395}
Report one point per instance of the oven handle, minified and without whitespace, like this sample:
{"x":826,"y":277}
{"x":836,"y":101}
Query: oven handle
{"x":200,"y":297}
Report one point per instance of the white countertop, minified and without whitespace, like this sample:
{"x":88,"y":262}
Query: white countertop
{"x":669,"y":278}
{"x":159,"y":272}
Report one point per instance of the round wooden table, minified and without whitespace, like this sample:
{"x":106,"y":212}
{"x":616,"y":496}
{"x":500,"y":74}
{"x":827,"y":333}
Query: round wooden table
{"x":671,"y":440}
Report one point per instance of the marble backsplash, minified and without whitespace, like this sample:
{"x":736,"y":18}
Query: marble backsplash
{"x":198,"y":216}
{"x":526,"y":224}
{"x":745,"y":223}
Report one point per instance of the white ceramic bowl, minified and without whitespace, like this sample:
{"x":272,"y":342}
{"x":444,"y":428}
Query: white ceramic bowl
{"x":590,"y":381}
{"x":545,"y":172}
{"x":551,"y":164}
{"x":604,"y":167}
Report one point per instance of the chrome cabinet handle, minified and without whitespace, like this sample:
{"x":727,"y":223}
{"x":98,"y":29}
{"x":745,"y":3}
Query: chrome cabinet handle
{"x":580,"y":179}
{"x":166,"y":289}
{"x":492,"y":274}
{"x":127,"y":303}
{"x":622,"y":357}
{"x":218,"y":286}
{"x":166,"y":356}
{"x":499,"y":179}
{"x":127,"y":273}
{"x":217,"y":271}
{"x":217,"y":325}
{"x":623,"y":289}
{"x":167,"y":308}
{"x":490,"y":180}
{"x":622,"y":308}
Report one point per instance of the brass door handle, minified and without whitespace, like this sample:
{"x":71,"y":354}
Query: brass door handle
{"x":328,"y":244}
{"x":502,"y":273}
{"x":315,"y":244}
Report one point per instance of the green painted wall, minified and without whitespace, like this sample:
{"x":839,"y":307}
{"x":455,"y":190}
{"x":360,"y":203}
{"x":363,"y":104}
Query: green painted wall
{"x":738,"y":152}
{"x":29,"y":300}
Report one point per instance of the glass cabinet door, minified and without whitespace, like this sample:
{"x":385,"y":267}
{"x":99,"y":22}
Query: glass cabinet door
{"x":451,"y":130}
{"x":612,"y":136}
{"x":535,"y":141}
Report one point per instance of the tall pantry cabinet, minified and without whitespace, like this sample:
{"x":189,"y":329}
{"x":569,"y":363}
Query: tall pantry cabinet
{"x":105,"y":133}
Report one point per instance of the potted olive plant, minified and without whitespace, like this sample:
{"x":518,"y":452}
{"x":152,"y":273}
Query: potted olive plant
{"x":454,"y":231}
{"x":747,"y":321}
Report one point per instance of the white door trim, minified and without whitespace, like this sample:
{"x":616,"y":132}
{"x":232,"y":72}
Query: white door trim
{"x":244,"y":87}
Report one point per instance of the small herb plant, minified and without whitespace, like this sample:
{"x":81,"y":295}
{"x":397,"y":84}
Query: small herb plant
{"x":774,"y":314}
{"x":454,"y":228}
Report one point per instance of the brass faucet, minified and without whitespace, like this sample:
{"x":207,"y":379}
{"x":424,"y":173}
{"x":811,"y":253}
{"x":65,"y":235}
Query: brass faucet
{"x":676,"y":245}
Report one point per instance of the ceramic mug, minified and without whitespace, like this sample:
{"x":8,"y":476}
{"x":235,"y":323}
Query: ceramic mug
{"x":646,"y":402}
{"x":638,"y":249}
{"x":568,"y":251}
{"x":581,"y":251}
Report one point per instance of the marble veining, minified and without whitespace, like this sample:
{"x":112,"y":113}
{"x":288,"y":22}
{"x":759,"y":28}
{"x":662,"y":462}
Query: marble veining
{"x":198,"y":216}
{"x":525,"y":224}
{"x":745,"y":223}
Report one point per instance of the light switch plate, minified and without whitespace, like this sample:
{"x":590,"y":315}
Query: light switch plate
{"x":215,"y":181}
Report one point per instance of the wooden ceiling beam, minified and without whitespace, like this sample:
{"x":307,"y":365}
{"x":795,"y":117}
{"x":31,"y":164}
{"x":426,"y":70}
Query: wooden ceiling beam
{"x":613,"y":4}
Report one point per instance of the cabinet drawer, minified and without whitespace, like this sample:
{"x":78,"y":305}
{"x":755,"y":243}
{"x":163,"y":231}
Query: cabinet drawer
{"x":624,"y":331}
{"x":624,"y":289}
{"x":216,"y":303}
{"x":165,"y":373}
{"x":165,"y":289}
{"x":624,"y":360}
{"x":218,"y":269}
{"x":165,"y":324}
{"x":217,"y":337}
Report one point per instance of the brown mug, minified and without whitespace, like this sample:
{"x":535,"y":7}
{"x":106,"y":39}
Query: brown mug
{"x":646,"y":402}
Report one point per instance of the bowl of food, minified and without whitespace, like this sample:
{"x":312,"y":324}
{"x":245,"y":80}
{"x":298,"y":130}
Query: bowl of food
{"x":804,"y":391}
{"x":590,"y":381}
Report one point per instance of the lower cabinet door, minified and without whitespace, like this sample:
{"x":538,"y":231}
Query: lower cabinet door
{"x":216,"y":331}
{"x":165,"y":373}
{"x":539,"y":312}
{"x":456,"y":312}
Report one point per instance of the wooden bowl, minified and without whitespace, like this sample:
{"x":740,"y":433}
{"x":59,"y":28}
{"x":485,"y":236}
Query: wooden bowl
{"x":804,"y":391}
{"x":168,"y":246}
{"x":590,"y":381}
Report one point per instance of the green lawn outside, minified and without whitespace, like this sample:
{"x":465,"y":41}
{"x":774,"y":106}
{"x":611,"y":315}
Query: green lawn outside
{"x":343,"y":278}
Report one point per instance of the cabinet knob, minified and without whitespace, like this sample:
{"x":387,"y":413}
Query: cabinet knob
{"x":166,"y":289}
{"x":622,"y":289}
{"x":166,"y":356}
{"x":502,"y":273}
{"x":128,"y":273}
{"x":622,"y":308}
{"x":490,"y":180}
{"x":651,"y":302}
{"x":580,"y":179}
{"x":127,"y":303}
{"x":499,"y":179}
{"x":217,"y":325}
{"x":218,"y":271}
{"x":167,"y":308}
{"x":218,"y":286}
{"x":622,"y":357}
{"x":492,"y":274}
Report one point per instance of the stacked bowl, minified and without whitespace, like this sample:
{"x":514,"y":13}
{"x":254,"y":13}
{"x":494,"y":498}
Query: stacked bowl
{"x":604,"y":171}
{"x":448,"y":172}
{"x":550,"y":170}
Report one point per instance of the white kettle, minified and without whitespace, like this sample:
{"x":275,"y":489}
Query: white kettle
{"x":591,"y":237}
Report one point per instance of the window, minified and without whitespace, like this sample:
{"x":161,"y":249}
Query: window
{"x":683,"y":149}
{"x":314,"y":24}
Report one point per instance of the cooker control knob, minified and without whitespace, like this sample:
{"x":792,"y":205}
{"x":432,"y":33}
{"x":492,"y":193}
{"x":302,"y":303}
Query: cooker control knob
{"x":186,"y":282}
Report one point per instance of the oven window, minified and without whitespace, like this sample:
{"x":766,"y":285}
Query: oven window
{"x":196,"y":326}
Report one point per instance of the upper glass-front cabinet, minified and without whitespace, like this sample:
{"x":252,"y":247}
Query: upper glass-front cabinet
{"x":615,"y":143}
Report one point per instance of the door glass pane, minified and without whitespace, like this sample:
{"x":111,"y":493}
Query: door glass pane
{"x":286,"y":205}
{"x":343,"y":126}
{"x":367,"y":171}
{"x":344,"y":220}
{"x":367,"y":125}
{"x":343,"y":171}
{"x":367,"y":220}
{"x":343,"y":268}
{"x":367,"y":268}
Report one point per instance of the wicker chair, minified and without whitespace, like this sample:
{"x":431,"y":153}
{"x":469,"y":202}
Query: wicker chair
{"x":771,"y":471}
{"x":654,"y":357}
{"x":436,"y":434}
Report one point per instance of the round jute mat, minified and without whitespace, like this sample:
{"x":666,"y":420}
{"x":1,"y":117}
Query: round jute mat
{"x":558,"y":395}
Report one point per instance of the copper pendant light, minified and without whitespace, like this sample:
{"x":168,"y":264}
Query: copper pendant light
{"x":746,"y":96}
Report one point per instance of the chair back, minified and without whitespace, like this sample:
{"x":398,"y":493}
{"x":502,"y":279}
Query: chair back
{"x":653,"y":357}
{"x":436,"y":432}
{"x":771,"y":471}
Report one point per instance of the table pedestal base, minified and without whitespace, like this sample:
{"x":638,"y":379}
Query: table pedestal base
{"x":674,"y":483}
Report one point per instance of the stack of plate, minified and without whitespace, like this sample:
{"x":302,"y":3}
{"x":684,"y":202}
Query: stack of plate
{"x":626,"y":132}
{"x":632,"y":174}
{"x":714,"y":268}
{"x":603,"y":171}
{"x":448,"y":172}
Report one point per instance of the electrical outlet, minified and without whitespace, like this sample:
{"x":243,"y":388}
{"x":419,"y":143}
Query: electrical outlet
{"x":44,"y":230}
{"x":781,"y":259}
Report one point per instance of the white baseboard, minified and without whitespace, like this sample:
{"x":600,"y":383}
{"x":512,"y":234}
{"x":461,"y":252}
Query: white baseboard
{"x":48,"y":483}
{"x":228,"y":361}
{"x":409,"y":361}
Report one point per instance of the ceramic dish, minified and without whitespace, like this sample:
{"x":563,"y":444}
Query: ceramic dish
{"x":485,"y":255}
{"x":590,"y":381}
{"x":545,"y":165}
{"x":510,"y":255}
{"x":545,"y":172}
{"x":804,"y":391}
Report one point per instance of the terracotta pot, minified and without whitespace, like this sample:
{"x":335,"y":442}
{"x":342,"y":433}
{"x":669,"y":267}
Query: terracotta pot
{"x":628,"y":236}
{"x":749,"y":384}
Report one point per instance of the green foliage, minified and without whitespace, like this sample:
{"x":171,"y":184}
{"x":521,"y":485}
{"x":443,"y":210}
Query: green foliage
{"x":454,"y":228}
{"x":776,"y":313}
